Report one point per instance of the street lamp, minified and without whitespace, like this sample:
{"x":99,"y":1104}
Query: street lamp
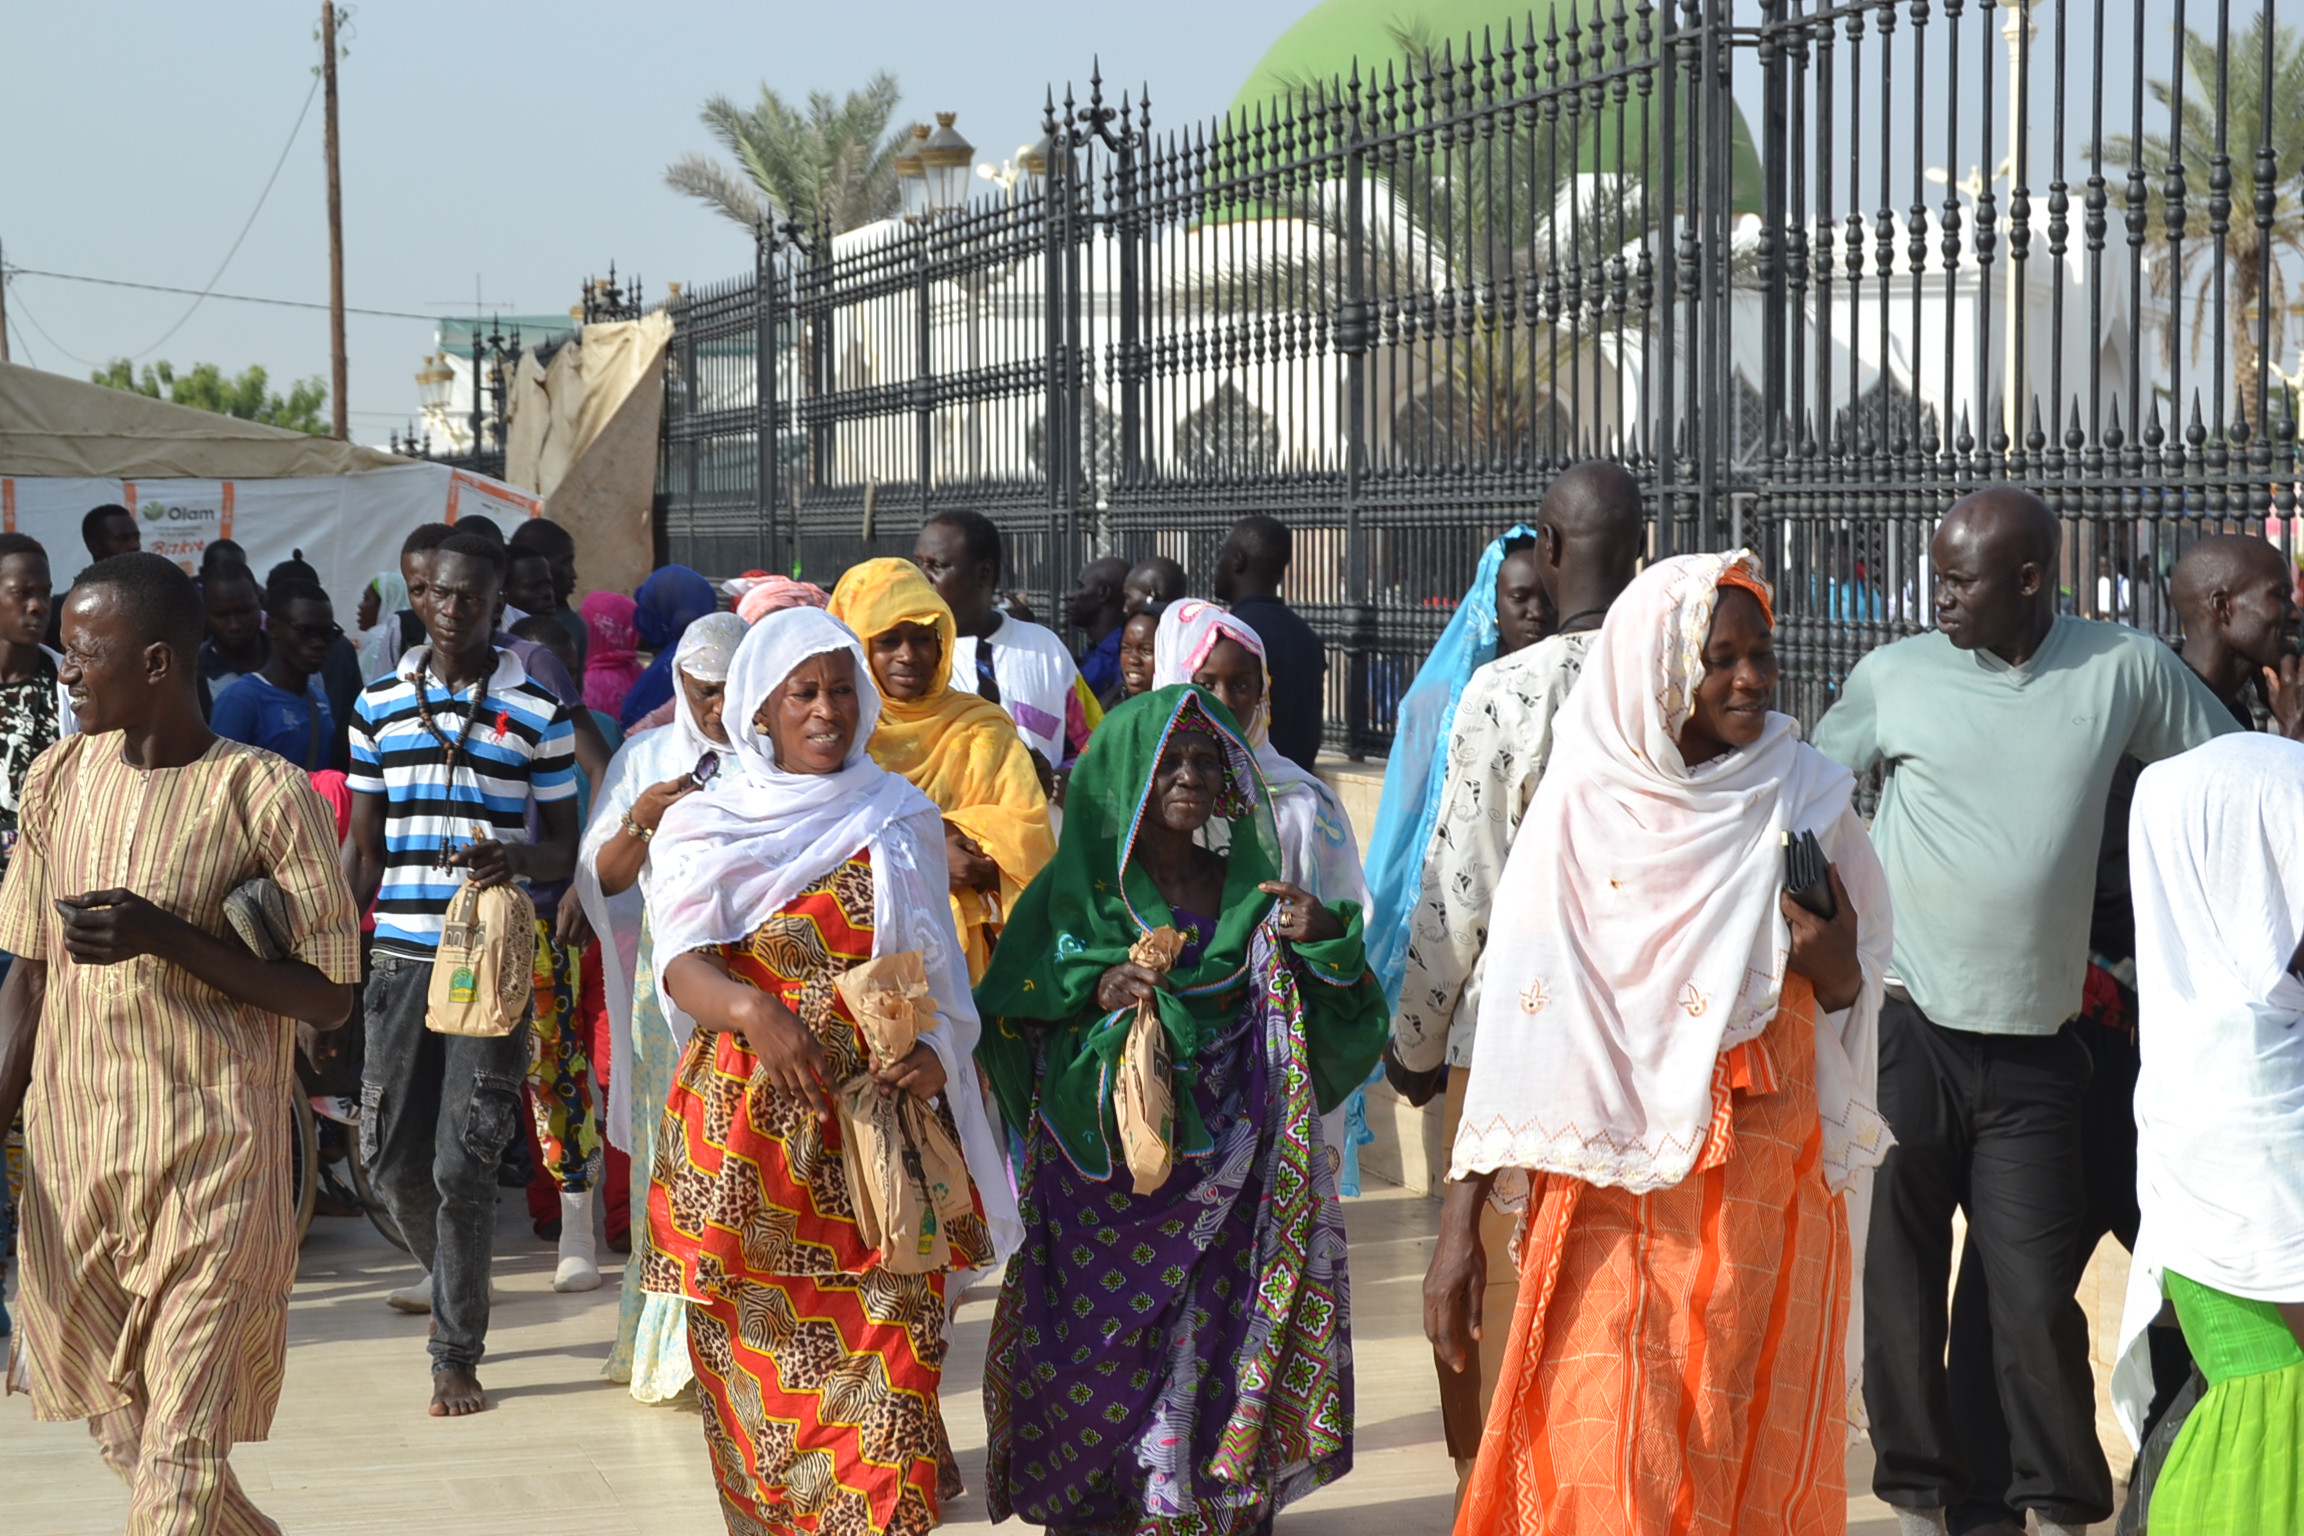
{"x":433,"y":382}
{"x":1033,"y":162}
{"x":946,"y":158}
{"x":912,"y":175}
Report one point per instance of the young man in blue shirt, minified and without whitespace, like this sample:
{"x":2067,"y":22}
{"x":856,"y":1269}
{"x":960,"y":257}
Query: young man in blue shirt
{"x":281,"y":706}
{"x":457,"y":737}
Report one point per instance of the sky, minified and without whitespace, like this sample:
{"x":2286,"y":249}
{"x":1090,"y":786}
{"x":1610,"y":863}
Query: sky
{"x":519,"y":146}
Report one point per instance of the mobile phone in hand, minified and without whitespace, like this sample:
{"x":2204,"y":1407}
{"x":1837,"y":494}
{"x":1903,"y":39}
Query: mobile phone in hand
{"x":1808,"y":875}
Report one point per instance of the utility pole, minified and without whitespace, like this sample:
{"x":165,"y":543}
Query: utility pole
{"x":3,"y":304}
{"x":336,"y":366}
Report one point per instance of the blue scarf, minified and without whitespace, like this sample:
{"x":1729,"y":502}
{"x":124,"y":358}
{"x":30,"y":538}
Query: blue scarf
{"x":1416,"y":770}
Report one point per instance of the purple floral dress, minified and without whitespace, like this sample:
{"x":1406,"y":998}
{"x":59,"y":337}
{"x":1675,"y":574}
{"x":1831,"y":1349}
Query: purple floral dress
{"x":1180,"y":1362}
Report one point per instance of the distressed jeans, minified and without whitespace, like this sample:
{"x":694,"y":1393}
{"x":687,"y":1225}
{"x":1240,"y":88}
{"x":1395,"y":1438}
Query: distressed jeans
{"x":436,"y":1113}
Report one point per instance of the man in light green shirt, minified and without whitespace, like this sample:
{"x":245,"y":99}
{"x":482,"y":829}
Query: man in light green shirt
{"x":2000,"y":734}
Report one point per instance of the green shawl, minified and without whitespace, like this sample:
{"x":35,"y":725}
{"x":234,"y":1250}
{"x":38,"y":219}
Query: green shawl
{"x":1082,"y":912}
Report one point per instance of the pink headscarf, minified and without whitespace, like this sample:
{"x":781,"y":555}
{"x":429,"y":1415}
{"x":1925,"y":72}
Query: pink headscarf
{"x":612,"y":659}
{"x":771,"y":594}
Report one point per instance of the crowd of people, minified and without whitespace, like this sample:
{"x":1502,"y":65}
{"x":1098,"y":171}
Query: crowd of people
{"x":830,"y":952}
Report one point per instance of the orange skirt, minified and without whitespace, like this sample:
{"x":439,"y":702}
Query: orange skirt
{"x":1675,"y":1364}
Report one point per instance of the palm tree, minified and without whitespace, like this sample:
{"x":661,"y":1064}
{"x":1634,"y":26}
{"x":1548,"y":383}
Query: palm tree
{"x":2192,"y":276}
{"x":830,"y":166}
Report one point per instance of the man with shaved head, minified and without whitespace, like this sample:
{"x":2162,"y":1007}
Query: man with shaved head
{"x":1097,"y":607}
{"x":1590,"y":533}
{"x":2236,"y":599}
{"x":2233,"y":595}
{"x":2000,"y":735}
{"x":1152,"y":582}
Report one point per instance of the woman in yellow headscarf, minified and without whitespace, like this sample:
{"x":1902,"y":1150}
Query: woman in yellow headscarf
{"x":959,"y":750}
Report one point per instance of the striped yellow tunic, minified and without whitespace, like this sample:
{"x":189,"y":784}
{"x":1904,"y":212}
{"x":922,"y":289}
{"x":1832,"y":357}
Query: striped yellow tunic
{"x":158,"y":1242}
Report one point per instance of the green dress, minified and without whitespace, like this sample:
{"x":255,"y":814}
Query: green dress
{"x":2237,"y":1468}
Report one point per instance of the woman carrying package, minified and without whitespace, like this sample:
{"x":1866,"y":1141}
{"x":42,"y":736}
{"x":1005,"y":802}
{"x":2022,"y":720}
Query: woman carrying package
{"x":817,"y":1351}
{"x":959,"y":750}
{"x":1172,"y":1347}
{"x":1679,"y":1058}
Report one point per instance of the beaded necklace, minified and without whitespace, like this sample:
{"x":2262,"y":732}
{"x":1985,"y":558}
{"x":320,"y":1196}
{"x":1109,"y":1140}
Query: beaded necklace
{"x":454,"y":749}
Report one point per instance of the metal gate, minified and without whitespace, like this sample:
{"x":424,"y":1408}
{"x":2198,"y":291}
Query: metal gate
{"x":1735,"y":247}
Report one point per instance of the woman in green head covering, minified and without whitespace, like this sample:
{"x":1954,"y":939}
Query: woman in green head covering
{"x":1182,"y":1355}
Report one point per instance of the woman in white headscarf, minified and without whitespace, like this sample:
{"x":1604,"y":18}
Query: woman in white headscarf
{"x":2216,"y":862}
{"x":817,"y":1355}
{"x":1681,"y":1060}
{"x":649,"y":774}
{"x":378,"y":623}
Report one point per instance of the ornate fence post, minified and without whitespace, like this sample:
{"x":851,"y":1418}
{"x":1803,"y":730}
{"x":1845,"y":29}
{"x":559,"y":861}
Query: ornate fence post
{"x":1354,"y":337}
{"x":764,"y":395}
{"x":1056,"y":247}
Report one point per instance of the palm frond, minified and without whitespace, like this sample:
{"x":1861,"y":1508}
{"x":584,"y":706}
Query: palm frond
{"x":714,"y":185}
{"x":827,"y":162}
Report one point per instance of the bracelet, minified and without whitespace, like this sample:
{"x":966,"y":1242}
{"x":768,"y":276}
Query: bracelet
{"x":634,"y":829}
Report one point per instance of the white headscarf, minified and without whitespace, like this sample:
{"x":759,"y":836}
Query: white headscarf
{"x":705,"y":652}
{"x":379,"y":643}
{"x":722,"y":864}
{"x":1635,"y":933}
{"x":1317,"y":848}
{"x":2216,"y":867}
{"x":646,"y":759}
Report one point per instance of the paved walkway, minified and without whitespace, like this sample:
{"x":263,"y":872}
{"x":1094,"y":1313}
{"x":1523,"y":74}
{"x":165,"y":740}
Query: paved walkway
{"x":352,"y":1450}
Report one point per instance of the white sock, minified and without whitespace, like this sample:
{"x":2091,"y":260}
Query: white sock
{"x":1920,"y":1522}
{"x":578,"y":1269}
{"x":411,"y":1298}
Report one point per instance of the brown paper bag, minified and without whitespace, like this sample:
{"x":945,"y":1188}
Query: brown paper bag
{"x":907,"y":1178}
{"x":1144,"y":1100}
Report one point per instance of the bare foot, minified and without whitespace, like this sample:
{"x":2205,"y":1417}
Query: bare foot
{"x":455,"y":1393}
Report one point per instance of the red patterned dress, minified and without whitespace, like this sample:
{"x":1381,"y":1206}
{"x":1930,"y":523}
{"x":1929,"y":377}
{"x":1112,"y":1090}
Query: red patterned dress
{"x":816,"y":1367}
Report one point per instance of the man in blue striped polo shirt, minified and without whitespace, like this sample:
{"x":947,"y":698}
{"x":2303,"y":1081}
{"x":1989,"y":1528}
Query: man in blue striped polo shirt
{"x":448,"y":753}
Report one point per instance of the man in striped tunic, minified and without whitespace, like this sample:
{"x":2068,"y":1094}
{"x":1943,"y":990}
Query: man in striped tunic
{"x":458,"y":738}
{"x":159,"y":1236}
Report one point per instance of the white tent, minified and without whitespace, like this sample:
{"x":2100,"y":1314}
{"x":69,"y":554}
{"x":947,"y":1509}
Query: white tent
{"x":192,"y":477}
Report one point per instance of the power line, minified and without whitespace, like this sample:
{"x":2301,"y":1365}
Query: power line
{"x":218,"y":274}
{"x":236,"y":298}
{"x":43,"y":330}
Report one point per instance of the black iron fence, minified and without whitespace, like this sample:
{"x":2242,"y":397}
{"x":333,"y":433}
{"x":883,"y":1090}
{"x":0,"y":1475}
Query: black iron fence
{"x":1753,"y":252}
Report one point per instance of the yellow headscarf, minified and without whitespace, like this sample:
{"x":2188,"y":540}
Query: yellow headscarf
{"x":959,"y":750}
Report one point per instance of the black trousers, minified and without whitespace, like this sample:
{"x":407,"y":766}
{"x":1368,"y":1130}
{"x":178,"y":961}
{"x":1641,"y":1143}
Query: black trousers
{"x":1992,"y":1125}
{"x":2108,"y":1168}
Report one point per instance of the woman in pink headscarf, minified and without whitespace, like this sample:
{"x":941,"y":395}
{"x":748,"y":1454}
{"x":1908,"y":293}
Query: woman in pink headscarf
{"x":612,"y":661}
{"x":771,"y":594}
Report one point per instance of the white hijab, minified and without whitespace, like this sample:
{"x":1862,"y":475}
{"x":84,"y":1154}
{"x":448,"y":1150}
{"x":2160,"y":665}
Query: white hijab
{"x":1317,"y":848}
{"x":721,"y":864}
{"x":1635,"y":933}
{"x":2216,"y":867}
{"x":645,"y":760}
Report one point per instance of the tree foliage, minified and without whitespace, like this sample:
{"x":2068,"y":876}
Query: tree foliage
{"x":205,"y":388}
{"x":828,"y":165}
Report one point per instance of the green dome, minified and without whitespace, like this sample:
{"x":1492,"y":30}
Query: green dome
{"x":1329,"y":39}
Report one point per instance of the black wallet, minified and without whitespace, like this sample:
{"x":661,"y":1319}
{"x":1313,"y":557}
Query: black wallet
{"x":1807,"y":875}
